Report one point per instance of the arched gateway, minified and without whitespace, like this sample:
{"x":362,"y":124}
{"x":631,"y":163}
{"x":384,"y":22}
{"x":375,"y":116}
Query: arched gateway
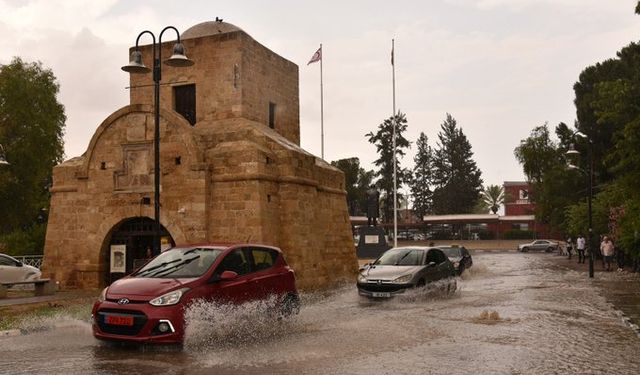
{"x":127,"y":244}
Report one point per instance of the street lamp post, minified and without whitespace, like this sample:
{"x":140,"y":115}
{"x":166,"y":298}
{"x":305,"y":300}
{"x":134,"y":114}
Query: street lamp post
{"x":136,"y":66}
{"x":572,"y":152}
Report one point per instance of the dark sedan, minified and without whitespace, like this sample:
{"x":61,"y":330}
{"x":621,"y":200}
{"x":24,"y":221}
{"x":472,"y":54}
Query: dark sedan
{"x":403,"y":268}
{"x":459,"y":256}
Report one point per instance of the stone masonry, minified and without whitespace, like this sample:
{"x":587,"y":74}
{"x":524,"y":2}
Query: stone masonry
{"x":229,"y":177}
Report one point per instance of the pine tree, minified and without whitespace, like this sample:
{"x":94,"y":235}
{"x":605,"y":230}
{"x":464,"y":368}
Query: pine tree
{"x":422,"y":179}
{"x":457,"y":179}
{"x":383,"y":139}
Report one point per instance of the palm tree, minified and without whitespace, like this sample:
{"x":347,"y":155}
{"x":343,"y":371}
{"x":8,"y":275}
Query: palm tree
{"x":493,"y":196}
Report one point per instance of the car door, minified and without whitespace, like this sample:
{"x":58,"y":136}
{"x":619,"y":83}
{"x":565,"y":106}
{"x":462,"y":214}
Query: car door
{"x":443,"y":265}
{"x":265,"y":278}
{"x":432,"y":273}
{"x":238,"y":289}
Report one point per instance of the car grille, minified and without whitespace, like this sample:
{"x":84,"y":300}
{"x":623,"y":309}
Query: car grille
{"x":139,"y":320}
{"x":390,"y":288}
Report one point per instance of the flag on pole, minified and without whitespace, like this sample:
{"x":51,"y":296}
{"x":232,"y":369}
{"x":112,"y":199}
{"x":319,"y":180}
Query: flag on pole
{"x":316,"y":56}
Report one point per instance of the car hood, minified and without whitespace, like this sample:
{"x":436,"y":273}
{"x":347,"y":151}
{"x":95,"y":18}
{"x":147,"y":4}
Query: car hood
{"x":389,"y":272}
{"x":144,"y":287}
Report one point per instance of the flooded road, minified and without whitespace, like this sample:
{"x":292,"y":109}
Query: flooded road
{"x":512,"y":314}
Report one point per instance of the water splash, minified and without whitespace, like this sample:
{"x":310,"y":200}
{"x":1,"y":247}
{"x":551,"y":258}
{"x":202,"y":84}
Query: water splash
{"x":211,"y":325}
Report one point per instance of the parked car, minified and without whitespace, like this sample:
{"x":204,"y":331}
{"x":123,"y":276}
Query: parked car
{"x":402,"y":268}
{"x":149,"y":305}
{"x":545,"y":245}
{"x":459,"y":256}
{"x":12,"y":271}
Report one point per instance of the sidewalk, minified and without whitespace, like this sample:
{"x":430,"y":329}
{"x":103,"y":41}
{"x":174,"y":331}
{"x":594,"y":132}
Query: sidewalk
{"x":620,"y":289}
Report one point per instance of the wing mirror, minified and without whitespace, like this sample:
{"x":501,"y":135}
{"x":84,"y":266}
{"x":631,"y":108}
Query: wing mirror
{"x":431,"y":264}
{"x":228,"y":275}
{"x":364,"y":266}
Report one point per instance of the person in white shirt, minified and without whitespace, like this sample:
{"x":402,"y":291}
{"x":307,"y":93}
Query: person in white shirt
{"x":607,"y":249}
{"x":580,"y":243}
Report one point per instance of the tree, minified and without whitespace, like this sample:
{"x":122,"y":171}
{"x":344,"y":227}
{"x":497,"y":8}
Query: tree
{"x":544,"y":164}
{"x":537,"y":154}
{"x":457,"y":179}
{"x":493,"y":196}
{"x":383,"y":139}
{"x":422,"y":179}
{"x":357,"y":181}
{"x":31,"y":128}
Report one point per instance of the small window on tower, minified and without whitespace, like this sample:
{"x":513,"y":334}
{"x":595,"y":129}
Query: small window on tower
{"x":185,"y":102}
{"x":272,"y":115}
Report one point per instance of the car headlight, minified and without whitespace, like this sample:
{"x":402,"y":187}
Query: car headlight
{"x":362,"y":278}
{"x":103,"y":295}
{"x":403,"y":279}
{"x":169,"y":299}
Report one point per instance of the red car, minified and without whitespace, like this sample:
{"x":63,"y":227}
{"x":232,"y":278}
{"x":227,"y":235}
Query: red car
{"x":148,"y":306}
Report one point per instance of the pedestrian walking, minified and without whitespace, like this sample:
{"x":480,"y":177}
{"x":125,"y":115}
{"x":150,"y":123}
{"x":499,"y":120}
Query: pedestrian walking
{"x":607,"y":249}
{"x":580,"y":243}
{"x":569,"y":246}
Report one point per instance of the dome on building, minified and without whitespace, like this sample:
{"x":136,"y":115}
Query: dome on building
{"x":209,"y":28}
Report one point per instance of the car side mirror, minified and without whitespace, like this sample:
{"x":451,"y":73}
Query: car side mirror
{"x":228,"y":275}
{"x":364,"y":266}
{"x":19,"y":264}
{"x":431,"y":264}
{"x":224,"y":276}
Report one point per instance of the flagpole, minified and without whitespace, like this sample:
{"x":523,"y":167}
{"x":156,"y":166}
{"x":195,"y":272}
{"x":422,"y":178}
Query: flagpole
{"x":321,"y":108}
{"x":395,"y":187}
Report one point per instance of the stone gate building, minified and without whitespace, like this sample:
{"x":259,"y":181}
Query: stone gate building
{"x":232,"y":169}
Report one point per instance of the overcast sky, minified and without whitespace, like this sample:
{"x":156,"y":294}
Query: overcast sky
{"x":499,"y":67}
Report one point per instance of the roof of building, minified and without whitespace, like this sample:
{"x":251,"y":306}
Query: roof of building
{"x":209,"y":28}
{"x":515,"y":183}
{"x":460,"y":217}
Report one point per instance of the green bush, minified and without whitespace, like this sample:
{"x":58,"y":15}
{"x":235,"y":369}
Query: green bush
{"x":29,"y":241}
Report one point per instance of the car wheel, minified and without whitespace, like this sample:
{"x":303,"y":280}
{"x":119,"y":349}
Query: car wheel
{"x":549,"y":250}
{"x":525,"y":249}
{"x":290,"y":305}
{"x":420,"y":283}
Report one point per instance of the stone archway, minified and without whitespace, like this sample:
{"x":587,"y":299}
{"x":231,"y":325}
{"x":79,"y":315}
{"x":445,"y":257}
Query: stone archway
{"x":134,"y":235}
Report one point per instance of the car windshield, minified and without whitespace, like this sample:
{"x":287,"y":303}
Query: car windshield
{"x":180,"y":263}
{"x":400,"y":257}
{"x":452,"y":252}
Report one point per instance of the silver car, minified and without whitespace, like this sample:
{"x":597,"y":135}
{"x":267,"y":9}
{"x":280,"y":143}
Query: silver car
{"x":545,"y":245}
{"x":402,"y":268}
{"x":12,"y":270}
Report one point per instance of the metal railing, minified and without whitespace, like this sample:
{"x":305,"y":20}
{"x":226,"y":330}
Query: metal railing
{"x":30,"y":260}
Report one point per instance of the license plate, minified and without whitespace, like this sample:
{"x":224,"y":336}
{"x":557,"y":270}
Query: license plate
{"x":119,"y":320}
{"x":381,"y":294}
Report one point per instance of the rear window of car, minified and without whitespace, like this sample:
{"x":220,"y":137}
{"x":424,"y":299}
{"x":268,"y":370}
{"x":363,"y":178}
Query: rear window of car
{"x":263,"y":258}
